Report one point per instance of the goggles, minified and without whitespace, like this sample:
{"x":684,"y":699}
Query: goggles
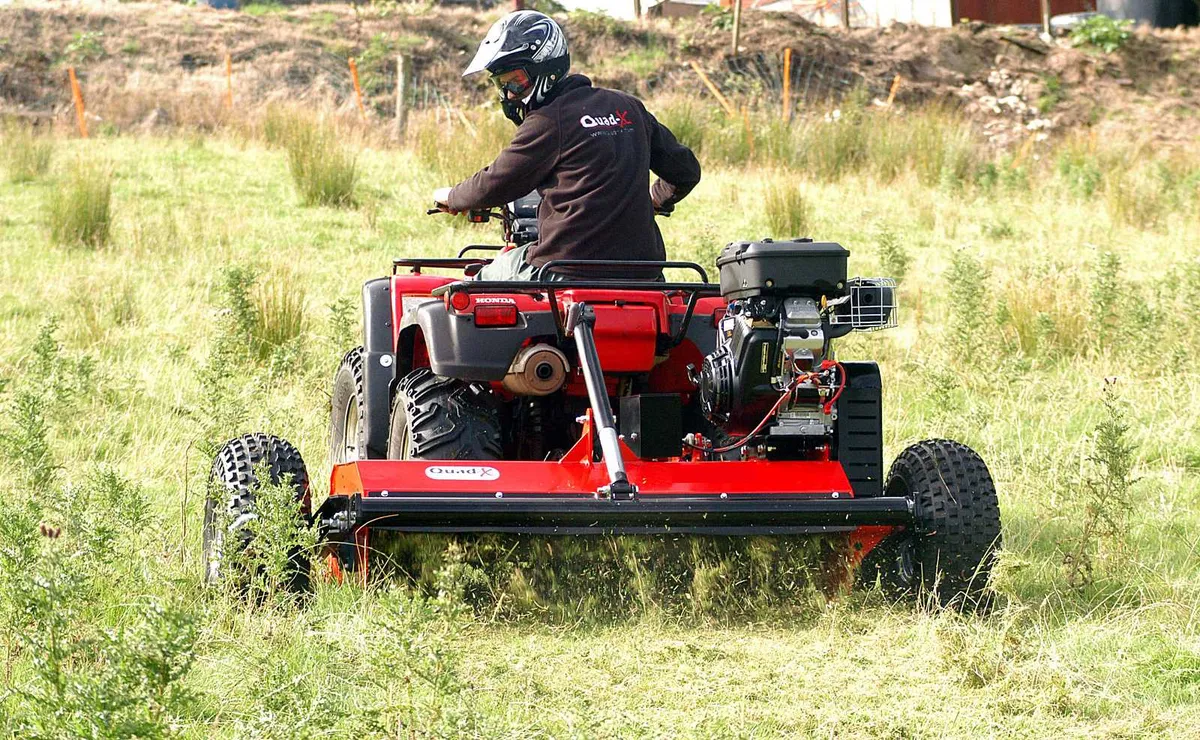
{"x":514,"y":83}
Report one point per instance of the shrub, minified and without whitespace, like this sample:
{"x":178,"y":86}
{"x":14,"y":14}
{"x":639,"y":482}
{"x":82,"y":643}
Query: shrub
{"x":324,"y":172}
{"x":277,"y":532}
{"x":788,"y":211}
{"x":1079,"y":168}
{"x":968,"y":296}
{"x":1106,"y":297}
{"x":26,"y":156}
{"x":343,"y":323}
{"x":894,"y":259}
{"x":85,"y":46}
{"x":26,"y":442}
{"x":719,"y":18}
{"x":1105,"y":489}
{"x":79,"y":212}
{"x":76,"y":675}
{"x":1102,"y":32}
{"x":1052,"y":94}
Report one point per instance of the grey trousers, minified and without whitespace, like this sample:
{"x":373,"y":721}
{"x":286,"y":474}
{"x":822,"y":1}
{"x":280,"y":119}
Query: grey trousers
{"x":511,"y":265}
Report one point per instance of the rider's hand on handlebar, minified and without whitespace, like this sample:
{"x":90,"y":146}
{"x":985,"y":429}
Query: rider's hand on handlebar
{"x":440,"y":196}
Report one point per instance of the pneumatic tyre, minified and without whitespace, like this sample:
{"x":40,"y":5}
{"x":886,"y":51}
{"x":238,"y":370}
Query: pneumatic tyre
{"x":949,"y":552}
{"x":438,"y":418}
{"x":229,"y":506}
{"x":347,"y":432}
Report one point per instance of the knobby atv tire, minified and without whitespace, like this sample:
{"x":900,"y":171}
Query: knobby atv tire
{"x":233,"y":485}
{"x":949,"y":552}
{"x":437,"y":418}
{"x":347,"y":432}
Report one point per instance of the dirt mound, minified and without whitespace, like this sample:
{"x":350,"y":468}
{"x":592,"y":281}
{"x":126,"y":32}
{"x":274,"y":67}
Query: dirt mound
{"x":162,"y":64}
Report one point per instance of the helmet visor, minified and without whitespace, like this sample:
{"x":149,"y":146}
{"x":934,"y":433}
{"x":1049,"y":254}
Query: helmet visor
{"x":513,"y":84}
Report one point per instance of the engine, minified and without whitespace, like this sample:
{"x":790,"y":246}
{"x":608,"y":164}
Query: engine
{"x":773,"y":372}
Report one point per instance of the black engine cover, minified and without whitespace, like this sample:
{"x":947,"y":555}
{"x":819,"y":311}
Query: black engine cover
{"x":735,"y":380}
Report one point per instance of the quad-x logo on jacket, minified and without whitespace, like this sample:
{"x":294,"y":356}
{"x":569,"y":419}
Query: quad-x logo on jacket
{"x":619,"y":119}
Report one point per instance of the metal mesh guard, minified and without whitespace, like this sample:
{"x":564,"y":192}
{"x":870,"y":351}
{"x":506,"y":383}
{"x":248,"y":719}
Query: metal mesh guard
{"x":872,"y":305}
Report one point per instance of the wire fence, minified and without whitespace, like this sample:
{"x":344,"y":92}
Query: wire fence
{"x":754,"y":80}
{"x":814,"y":81}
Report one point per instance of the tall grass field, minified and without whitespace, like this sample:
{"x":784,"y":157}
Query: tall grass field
{"x":164,"y":294}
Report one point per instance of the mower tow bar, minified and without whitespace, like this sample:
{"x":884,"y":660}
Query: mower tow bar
{"x":580,"y":320}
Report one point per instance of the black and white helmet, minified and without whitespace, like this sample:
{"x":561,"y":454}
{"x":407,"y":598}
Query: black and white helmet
{"x":524,"y":40}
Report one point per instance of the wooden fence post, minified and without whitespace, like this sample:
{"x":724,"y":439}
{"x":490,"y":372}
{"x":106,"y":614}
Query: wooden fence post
{"x":787,"y":85}
{"x":714,"y":90}
{"x":401,"y":98}
{"x":77,"y":95}
{"x":737,"y":24}
{"x":357,"y":88}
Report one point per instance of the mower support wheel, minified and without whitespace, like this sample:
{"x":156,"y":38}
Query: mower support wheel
{"x":347,"y":431}
{"x":949,"y":552}
{"x":229,"y":506}
{"x":438,"y":418}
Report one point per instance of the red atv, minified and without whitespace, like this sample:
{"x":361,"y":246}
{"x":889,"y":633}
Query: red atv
{"x":477,"y":406}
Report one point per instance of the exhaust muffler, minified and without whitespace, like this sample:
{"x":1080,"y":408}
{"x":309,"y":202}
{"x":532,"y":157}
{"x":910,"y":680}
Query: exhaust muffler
{"x":537,"y":370}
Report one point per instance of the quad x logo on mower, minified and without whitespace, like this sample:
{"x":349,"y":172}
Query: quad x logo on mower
{"x":462,"y":472}
{"x":619,"y":119}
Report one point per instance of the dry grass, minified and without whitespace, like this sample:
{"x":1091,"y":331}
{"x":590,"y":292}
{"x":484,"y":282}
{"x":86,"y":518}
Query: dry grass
{"x":25,"y":154}
{"x":789,"y":213}
{"x":278,"y":315}
{"x":79,"y":210}
{"x":455,"y":148}
{"x":324,"y":170}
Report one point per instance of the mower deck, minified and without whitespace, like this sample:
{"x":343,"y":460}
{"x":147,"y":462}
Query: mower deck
{"x":567,"y":497}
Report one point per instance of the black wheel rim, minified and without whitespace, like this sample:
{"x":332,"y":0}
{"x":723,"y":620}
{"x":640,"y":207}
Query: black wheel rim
{"x":906,"y":547}
{"x":347,"y":450}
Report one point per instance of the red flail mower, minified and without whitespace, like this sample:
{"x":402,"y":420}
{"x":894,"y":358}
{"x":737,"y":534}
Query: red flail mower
{"x":602,"y":405}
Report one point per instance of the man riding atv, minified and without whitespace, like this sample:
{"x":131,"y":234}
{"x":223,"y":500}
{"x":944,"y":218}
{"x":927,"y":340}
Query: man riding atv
{"x":587,"y":151}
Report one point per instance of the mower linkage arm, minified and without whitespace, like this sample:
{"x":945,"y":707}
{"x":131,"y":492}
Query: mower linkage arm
{"x":580,"y":320}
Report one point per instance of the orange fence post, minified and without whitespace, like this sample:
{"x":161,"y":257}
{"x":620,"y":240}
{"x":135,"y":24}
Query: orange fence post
{"x":357,"y":87}
{"x":892,"y":92}
{"x":787,"y":84}
{"x":77,"y":94}
{"x":228,"y":81}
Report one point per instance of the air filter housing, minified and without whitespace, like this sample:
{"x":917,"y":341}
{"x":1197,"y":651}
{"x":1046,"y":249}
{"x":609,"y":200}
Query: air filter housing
{"x":783,"y":268}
